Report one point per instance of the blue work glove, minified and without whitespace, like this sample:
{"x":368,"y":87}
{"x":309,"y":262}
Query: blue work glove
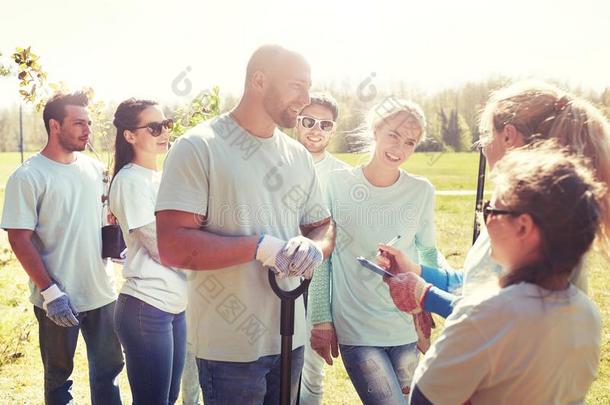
{"x":58,"y":307}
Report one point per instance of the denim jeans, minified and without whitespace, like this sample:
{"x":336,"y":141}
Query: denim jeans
{"x":256,"y":382}
{"x":381,"y":375}
{"x":155,"y":348}
{"x":57,"y":347}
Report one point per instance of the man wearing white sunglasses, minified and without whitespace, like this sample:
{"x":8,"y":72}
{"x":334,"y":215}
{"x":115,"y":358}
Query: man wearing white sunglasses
{"x":316,"y":124}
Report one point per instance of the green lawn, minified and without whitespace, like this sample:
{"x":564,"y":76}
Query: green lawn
{"x":21,"y":369}
{"x":447,"y":171}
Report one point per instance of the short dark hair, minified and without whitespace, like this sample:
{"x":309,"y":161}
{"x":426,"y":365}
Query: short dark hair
{"x":325,"y":100}
{"x":55,"y":108}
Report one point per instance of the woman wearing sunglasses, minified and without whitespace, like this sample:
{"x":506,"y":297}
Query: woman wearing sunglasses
{"x":149,"y":314}
{"x":535,"y":339}
{"x":515,"y":116}
{"x":375,"y":202}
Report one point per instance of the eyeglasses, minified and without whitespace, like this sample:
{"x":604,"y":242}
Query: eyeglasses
{"x":489,"y":210}
{"x":155,"y":128}
{"x":310,"y":122}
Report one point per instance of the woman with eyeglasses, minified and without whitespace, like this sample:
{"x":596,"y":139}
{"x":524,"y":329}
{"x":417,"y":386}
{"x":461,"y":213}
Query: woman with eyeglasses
{"x":149,"y":315}
{"x":514,"y":117}
{"x":536,"y":338}
{"x":375,"y":202}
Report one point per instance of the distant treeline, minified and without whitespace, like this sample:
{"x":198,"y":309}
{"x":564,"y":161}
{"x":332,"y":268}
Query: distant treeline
{"x":452,"y":114}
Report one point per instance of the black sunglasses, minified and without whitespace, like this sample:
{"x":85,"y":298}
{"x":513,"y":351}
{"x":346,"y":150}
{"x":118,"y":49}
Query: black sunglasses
{"x":155,"y":128}
{"x":489,"y":210}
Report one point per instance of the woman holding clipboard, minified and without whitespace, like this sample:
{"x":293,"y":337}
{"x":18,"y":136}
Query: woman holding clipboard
{"x":373,"y":203}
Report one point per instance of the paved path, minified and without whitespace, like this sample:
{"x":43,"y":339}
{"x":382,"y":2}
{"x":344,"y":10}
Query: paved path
{"x":458,"y":192}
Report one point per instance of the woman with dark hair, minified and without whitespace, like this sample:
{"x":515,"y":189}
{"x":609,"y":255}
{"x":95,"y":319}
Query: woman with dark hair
{"x":149,"y":316}
{"x":536,"y":338}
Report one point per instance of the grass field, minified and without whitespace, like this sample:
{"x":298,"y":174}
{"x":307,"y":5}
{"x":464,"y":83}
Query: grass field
{"x":21,"y":368}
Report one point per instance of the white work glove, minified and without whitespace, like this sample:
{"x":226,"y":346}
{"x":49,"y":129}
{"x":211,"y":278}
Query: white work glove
{"x":58,"y":307}
{"x":304,"y":255}
{"x":269,"y":253}
{"x":296,"y":258}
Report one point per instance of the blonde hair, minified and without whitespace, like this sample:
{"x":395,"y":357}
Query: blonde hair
{"x":540,"y":111}
{"x":558,"y":190}
{"x":362,"y":139}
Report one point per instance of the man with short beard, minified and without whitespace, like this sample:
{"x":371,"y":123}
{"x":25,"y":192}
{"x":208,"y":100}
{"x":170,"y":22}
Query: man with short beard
{"x":316,"y":125}
{"x":239,"y":196}
{"x":53,"y":216}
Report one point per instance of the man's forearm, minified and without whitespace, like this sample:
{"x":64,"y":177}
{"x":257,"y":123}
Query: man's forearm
{"x":323,"y":234}
{"x":31,"y":262}
{"x":196,"y":249}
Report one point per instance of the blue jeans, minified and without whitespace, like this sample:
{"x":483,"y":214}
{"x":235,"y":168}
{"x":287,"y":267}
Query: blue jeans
{"x":155,"y":347}
{"x":381,"y":375}
{"x":57,"y":347}
{"x":256,"y":382}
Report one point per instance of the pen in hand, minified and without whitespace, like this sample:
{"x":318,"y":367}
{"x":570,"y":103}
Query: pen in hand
{"x":392,"y":265}
{"x":390,"y":243}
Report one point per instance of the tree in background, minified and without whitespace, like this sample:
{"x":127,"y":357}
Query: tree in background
{"x":4,"y":70}
{"x":605,"y":101}
{"x":204,"y":106}
{"x":35,"y":90}
{"x":459,"y":105}
{"x":454,"y":130}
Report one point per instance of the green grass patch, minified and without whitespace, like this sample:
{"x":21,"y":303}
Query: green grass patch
{"x":21,"y":375}
{"x":447,"y":171}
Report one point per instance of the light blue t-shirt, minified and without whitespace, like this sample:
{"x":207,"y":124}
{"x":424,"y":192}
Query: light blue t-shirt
{"x":62,"y":204}
{"x":132,"y":199}
{"x":362,"y":310}
{"x":243,"y":185}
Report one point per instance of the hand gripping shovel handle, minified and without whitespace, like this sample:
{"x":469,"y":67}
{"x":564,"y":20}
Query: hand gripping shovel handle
{"x":286,"y":331}
{"x":283,"y":294}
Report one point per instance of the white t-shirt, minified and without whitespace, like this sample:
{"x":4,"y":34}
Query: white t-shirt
{"x":480,"y":271}
{"x":365,"y":215}
{"x":132,"y":199}
{"x":519,"y":345}
{"x":328,"y":164}
{"x":62,"y":204}
{"x":244,"y":185}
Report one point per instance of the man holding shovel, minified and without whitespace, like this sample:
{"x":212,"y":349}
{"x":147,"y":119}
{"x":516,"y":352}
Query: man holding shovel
{"x":238,"y":196}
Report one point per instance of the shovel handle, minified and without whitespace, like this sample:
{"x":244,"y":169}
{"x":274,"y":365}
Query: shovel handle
{"x":284,"y":294}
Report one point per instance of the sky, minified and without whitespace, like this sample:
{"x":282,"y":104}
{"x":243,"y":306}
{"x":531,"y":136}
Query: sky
{"x":140,"y":48}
